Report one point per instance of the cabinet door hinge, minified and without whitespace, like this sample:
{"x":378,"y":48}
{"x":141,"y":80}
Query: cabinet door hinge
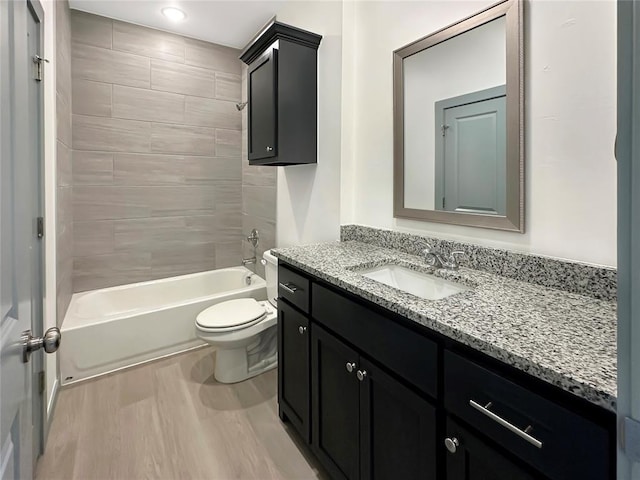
{"x":631,"y":438}
{"x":41,"y":382}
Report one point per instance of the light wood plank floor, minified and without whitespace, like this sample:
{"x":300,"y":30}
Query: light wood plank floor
{"x":170,"y":420}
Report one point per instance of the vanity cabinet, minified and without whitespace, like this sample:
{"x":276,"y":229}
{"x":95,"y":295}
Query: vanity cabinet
{"x":472,"y":458}
{"x":366,"y":423}
{"x":293,"y":367}
{"x":377,"y":396}
{"x":282,"y":96}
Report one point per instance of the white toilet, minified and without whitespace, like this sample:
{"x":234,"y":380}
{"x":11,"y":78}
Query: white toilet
{"x":244,"y":331}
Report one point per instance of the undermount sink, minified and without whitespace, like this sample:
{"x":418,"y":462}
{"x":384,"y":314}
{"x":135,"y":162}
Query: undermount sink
{"x":422,"y":285}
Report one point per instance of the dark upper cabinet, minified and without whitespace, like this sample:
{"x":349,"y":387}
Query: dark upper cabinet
{"x":293,"y":368}
{"x":282,"y":96}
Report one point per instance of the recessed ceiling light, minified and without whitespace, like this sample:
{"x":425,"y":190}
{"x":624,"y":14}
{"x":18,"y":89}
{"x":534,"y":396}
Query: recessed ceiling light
{"x":174,"y":14}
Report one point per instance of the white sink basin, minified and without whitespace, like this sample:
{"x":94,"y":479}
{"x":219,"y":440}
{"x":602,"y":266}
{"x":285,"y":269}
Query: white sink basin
{"x":419,"y":284}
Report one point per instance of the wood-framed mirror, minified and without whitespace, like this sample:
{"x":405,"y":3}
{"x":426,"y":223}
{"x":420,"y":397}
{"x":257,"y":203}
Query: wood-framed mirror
{"x":459,"y":122}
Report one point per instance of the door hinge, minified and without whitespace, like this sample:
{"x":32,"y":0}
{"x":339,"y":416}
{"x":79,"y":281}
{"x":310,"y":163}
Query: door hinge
{"x":631,"y":438}
{"x":443,"y":203}
{"x":41,"y":382}
{"x":40,"y":227}
{"x":38,"y":60}
{"x":444,"y":128}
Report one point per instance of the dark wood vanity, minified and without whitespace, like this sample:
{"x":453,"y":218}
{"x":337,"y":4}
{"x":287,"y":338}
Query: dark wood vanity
{"x":375,"y":395}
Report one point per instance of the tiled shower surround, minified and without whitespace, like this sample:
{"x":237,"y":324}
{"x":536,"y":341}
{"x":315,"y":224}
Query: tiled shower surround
{"x":157,"y":171}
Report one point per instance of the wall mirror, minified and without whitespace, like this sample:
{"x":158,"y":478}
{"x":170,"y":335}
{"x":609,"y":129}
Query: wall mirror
{"x":458,"y":123}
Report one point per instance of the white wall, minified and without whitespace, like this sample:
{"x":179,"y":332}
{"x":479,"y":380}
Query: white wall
{"x":50,"y":188}
{"x":309,"y":195}
{"x":570,"y":75}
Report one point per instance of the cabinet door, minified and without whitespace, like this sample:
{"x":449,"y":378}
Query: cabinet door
{"x":336,"y":404}
{"x":398,"y":428}
{"x":474,"y":459}
{"x":293,"y":367}
{"x":262,"y":84}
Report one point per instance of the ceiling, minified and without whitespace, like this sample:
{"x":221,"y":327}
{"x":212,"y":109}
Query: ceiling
{"x":226,"y":22}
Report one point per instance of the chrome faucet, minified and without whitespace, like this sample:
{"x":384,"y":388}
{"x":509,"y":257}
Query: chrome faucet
{"x":249,"y":261}
{"x":436,"y":259}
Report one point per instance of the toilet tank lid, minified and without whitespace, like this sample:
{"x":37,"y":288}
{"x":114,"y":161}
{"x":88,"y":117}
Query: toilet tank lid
{"x":231,"y":313}
{"x":270,"y":257}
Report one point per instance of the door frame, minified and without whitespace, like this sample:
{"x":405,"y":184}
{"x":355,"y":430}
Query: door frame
{"x":38,"y":363}
{"x":628,"y":156}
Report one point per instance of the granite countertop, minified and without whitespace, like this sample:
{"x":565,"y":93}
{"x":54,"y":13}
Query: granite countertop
{"x":566,"y":339}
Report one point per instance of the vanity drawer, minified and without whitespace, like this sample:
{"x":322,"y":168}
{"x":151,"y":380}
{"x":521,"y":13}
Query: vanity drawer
{"x":293,"y":287}
{"x":554,"y":440}
{"x":405,"y":352}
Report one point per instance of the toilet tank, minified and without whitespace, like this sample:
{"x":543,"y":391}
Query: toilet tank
{"x":271,"y":276}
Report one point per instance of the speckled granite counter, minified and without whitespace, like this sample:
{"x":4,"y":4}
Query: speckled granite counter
{"x":563,"y":338}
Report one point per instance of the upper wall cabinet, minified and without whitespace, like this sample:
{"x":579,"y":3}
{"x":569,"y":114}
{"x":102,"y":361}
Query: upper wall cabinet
{"x":282,"y":96}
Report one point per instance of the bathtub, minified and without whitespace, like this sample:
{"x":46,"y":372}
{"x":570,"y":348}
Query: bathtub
{"x":112,"y":328}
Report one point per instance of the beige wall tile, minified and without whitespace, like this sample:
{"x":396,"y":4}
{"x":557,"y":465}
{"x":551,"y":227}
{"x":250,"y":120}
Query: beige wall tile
{"x":63,"y":119}
{"x":257,"y":175}
{"x":91,"y":98}
{"x":259,"y":201}
{"x":212,"y":113}
{"x":100,"y":271}
{"x":228,"y":87}
{"x":118,"y":202}
{"x":178,"y":78}
{"x":228,"y":143}
{"x":108,"y":66}
{"x":214,"y":57}
{"x":229,"y":254}
{"x":90,"y":29}
{"x":148,"y":42}
{"x":171,"y":262}
{"x":63,"y":159}
{"x":149,"y":105}
{"x":139,"y":169}
{"x":228,"y":196}
{"x":92,"y":168}
{"x":212,"y":170}
{"x":162,"y":233}
{"x":182,"y":139}
{"x":93,"y":238}
{"x":110,"y":134}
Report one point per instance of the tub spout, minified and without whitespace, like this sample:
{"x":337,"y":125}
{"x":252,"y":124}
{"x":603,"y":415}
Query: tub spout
{"x":249,"y":261}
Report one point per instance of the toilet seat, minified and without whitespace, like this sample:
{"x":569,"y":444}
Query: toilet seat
{"x":231,"y":315}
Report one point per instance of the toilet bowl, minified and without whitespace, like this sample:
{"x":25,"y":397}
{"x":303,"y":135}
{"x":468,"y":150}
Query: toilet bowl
{"x":244,"y":331}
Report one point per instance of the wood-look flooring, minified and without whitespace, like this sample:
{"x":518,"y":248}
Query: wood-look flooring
{"x":170,"y":419}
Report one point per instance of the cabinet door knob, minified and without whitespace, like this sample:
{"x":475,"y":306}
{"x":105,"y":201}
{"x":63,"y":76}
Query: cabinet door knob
{"x":269,"y":149}
{"x":361,"y":375}
{"x":302,"y":329}
{"x":452,"y":444}
{"x":351,"y":366}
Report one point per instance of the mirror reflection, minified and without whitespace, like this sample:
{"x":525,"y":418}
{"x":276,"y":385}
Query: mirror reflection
{"x":455,"y":123}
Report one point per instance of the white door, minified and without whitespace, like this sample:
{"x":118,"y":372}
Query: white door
{"x":20,"y":247}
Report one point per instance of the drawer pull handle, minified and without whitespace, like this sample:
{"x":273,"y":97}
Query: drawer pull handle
{"x":509,"y":426}
{"x":289,"y":287}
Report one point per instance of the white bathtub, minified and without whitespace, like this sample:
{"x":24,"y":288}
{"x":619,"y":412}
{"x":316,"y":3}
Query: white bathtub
{"x":117,"y":327}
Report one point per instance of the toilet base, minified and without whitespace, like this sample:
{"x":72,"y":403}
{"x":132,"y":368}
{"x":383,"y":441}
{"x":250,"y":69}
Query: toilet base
{"x":232,"y":366}
{"x":237,"y":364}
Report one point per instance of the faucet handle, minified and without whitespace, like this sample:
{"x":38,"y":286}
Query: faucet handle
{"x":429,"y":249}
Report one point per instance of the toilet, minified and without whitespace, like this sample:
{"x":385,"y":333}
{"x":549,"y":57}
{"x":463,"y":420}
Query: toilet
{"x":244,"y":331}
